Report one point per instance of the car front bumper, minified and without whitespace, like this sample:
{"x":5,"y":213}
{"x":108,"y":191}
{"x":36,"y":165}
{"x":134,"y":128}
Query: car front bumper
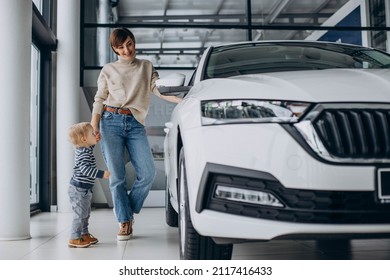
{"x":319,"y":197}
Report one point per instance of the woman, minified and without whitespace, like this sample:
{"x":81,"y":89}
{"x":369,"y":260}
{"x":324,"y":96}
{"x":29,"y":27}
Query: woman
{"x":118,"y":117}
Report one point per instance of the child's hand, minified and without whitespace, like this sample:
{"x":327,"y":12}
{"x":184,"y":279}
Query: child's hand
{"x":106,"y":174}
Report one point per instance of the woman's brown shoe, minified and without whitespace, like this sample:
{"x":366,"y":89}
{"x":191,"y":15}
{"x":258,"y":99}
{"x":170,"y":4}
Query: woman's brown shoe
{"x":125,"y":231}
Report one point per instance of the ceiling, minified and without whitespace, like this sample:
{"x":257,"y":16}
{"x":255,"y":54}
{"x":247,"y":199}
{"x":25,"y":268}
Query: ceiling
{"x":175,"y":32}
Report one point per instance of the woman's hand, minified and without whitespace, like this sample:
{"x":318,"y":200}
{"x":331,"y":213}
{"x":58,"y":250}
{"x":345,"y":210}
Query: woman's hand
{"x":95,"y":125}
{"x":171,"y":98}
{"x":97,"y":134}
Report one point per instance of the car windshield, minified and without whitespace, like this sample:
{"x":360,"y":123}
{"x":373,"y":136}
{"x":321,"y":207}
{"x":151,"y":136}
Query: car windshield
{"x":253,"y":58}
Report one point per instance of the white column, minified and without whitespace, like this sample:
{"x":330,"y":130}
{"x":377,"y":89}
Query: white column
{"x":15,"y":57}
{"x":68,"y":92}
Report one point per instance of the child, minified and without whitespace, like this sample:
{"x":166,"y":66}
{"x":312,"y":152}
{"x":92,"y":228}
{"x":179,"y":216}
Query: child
{"x":80,"y":190}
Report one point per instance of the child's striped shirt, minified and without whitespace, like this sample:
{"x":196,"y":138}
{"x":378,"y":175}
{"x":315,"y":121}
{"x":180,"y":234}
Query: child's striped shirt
{"x":84,"y":170}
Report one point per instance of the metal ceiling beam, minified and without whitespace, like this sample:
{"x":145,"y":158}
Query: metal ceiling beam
{"x":184,"y":19}
{"x":166,"y":5}
{"x":219,"y":7}
{"x":297,"y":26}
{"x":170,"y":51}
{"x":278,"y":8}
{"x":313,"y":16}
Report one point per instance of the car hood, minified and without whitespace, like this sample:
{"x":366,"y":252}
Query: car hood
{"x":331,"y":85}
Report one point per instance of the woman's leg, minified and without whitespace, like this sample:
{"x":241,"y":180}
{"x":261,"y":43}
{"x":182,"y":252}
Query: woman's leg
{"x":113,"y":149}
{"x":142,"y":160}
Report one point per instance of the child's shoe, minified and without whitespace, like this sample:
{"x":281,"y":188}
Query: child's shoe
{"x":78,"y":243}
{"x":90,"y":238}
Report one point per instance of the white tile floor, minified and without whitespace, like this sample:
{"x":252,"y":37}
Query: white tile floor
{"x":154,"y":240}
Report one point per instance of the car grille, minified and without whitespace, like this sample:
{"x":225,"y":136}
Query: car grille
{"x":355,"y":133}
{"x":301,"y":206}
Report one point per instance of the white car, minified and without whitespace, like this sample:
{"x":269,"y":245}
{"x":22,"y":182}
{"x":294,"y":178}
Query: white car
{"x":279,"y":140}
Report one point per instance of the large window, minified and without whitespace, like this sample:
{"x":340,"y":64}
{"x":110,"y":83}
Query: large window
{"x":34,"y":125}
{"x":38,"y":4}
{"x":42,"y":112}
{"x":173,"y":34}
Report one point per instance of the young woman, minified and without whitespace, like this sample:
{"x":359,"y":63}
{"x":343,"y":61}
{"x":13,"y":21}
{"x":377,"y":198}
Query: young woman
{"x":118,"y":117}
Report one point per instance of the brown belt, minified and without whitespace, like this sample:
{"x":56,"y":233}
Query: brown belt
{"x":122,"y":111}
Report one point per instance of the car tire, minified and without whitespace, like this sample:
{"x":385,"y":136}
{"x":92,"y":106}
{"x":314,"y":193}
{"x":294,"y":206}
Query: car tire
{"x":194,"y":246}
{"x":171,"y":216}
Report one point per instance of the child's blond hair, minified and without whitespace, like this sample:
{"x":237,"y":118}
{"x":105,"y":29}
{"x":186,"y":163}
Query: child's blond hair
{"x":77,"y":131}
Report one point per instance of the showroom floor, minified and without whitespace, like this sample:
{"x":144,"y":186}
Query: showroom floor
{"x":154,"y":240}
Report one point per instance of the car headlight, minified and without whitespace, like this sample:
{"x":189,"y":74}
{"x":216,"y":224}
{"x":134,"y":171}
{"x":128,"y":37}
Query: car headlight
{"x":216,"y":112}
{"x":249,"y":196}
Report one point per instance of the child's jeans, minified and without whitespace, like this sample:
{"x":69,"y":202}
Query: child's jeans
{"x":80,"y":199}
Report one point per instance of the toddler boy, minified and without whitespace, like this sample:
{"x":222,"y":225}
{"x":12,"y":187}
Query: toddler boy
{"x":80,"y":190}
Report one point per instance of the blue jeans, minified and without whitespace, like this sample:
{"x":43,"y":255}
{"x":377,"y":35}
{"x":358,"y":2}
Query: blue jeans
{"x":120,"y":133}
{"x":80,"y":199}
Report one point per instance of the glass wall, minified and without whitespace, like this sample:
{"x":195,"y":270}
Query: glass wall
{"x":377,"y":18}
{"x":174,"y":33}
{"x":34,"y":125}
{"x":38,"y":4}
{"x":42,"y":112}
{"x":164,"y":52}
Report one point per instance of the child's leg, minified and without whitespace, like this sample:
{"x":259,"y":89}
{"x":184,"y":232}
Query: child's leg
{"x":80,"y":201}
{"x":86,"y":212}
{"x":86,"y":205}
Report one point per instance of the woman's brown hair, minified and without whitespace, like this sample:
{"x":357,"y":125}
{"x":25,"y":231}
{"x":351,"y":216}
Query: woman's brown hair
{"x":119,"y":36}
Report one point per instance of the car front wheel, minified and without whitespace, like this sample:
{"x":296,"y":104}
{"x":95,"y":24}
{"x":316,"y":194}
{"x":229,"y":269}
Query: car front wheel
{"x":171,"y":217}
{"x":194,"y":246}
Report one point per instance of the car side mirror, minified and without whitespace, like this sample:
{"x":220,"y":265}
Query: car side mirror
{"x":172,"y":84}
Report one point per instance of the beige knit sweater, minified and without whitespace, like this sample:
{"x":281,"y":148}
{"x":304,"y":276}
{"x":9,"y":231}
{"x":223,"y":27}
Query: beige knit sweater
{"x":126,"y":84}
